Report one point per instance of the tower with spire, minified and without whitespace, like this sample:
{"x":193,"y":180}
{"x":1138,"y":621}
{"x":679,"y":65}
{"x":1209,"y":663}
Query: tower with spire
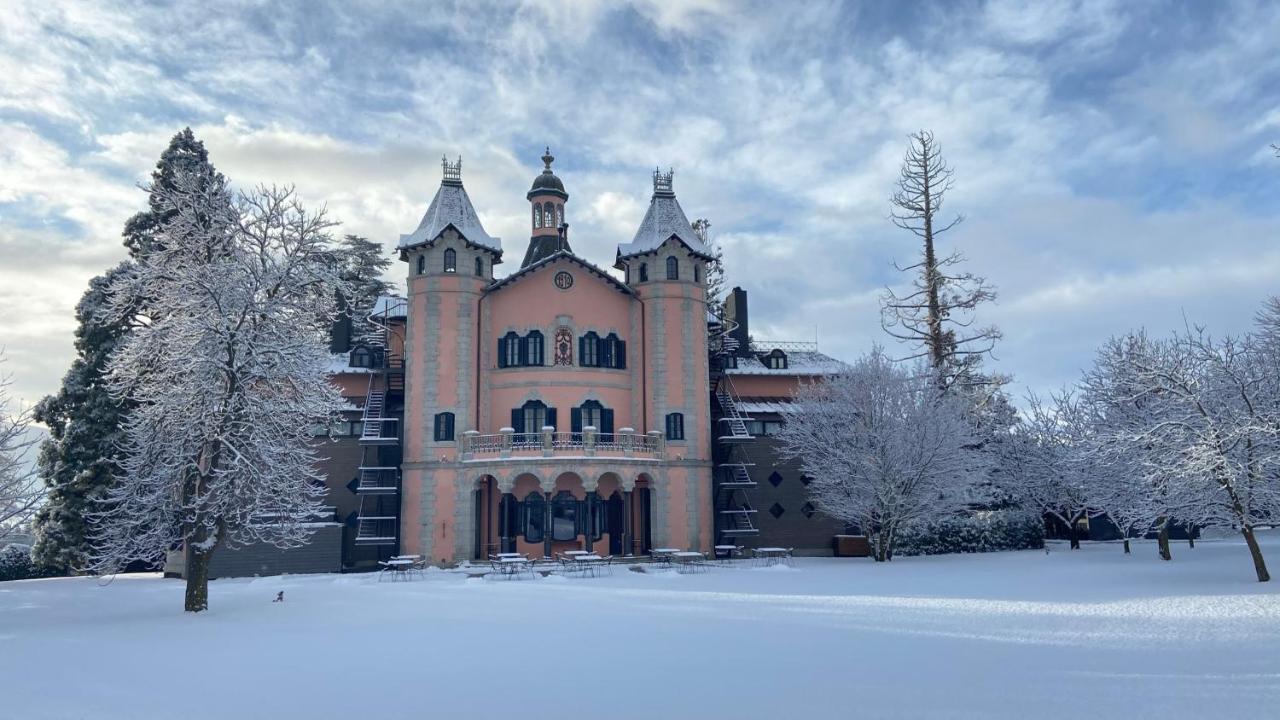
{"x":550,"y":232}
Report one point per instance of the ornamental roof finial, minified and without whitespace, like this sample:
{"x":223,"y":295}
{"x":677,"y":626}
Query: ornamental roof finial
{"x":547,"y":159}
{"x":662,"y":182}
{"x":452,"y":171}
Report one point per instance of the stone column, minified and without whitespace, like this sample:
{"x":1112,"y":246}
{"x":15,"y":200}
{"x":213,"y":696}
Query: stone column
{"x":508,"y":434}
{"x":627,"y":437}
{"x":548,"y":440}
{"x":589,"y":440}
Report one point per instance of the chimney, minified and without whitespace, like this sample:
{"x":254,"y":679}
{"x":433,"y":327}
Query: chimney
{"x":735,"y":310}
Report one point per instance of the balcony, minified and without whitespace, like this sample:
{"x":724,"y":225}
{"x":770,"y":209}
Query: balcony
{"x":507,"y":443}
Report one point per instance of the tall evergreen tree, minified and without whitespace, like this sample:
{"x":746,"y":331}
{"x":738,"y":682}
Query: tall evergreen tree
{"x":715,"y":268}
{"x":362,"y":266}
{"x":80,"y":457}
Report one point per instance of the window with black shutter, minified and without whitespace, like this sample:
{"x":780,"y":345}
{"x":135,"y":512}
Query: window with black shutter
{"x":675,"y":426}
{"x":444,"y":427}
{"x":533,"y":348}
{"x":589,"y":350}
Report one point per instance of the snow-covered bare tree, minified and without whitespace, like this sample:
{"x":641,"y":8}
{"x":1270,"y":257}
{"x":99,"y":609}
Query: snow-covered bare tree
{"x":1199,"y":415}
{"x":20,"y":490}
{"x":883,"y":447}
{"x":228,"y":372}
{"x":1040,"y":465}
{"x":936,"y":314}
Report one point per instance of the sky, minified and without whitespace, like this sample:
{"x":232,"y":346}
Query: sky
{"x":1112,"y":160}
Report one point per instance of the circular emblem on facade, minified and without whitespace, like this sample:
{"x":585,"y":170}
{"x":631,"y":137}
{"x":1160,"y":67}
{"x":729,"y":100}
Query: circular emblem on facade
{"x":564,"y":280}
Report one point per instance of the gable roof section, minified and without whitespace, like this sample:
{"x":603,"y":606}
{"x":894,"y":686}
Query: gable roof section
{"x":451,"y":206}
{"x":664,"y":219}
{"x":562,"y":254}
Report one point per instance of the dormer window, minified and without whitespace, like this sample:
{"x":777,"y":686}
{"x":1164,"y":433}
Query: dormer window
{"x":673,"y":268}
{"x":450,"y":260}
{"x":776,"y":360}
{"x":361,"y":357}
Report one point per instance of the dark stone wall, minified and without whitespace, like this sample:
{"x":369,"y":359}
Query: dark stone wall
{"x":322,"y":555}
{"x":808,"y":535}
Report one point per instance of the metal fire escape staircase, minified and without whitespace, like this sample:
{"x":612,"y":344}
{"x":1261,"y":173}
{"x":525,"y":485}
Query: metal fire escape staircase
{"x":378,"y":483}
{"x":735,"y":514}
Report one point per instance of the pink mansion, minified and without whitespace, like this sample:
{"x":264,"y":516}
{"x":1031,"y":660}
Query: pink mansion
{"x":556,"y":408}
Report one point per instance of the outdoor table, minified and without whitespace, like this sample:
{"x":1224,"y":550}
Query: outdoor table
{"x":663,"y":555}
{"x":512,"y":566}
{"x":573,"y":553}
{"x":398,"y":566}
{"x":727,"y":552}
{"x":688,"y":560}
{"x":508,"y":555}
{"x":587,"y":561}
{"x":771,"y":555}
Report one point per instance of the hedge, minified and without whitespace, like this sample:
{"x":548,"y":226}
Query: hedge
{"x":984,"y":531}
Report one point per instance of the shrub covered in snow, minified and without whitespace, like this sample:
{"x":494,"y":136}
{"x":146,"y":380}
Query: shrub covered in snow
{"x":978,"y":532}
{"x":15,"y":562}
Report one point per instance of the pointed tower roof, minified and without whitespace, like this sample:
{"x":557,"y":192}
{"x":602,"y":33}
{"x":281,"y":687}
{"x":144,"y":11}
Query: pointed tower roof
{"x":451,"y":206}
{"x":665,"y":219}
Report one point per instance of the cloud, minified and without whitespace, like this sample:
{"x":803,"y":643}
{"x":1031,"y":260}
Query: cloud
{"x":1112,"y":158}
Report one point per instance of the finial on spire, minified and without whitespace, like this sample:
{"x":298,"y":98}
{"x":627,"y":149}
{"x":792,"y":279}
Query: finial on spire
{"x":547,"y":159}
{"x":452,"y":171}
{"x":662,"y":181}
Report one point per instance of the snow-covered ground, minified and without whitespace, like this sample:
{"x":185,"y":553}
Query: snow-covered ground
{"x":1086,"y":634}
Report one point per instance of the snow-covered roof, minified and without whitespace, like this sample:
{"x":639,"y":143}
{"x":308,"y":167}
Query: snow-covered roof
{"x":664,"y":219}
{"x":799,"y":362}
{"x":451,"y":206}
{"x":755,"y":405}
{"x":341,"y":363}
{"x":389,"y":306}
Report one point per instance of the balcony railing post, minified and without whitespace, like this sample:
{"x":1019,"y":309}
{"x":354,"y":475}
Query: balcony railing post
{"x":655,"y":443}
{"x":589,"y":439}
{"x":508,"y":434}
{"x":626,"y":436}
{"x":468,"y":448}
{"x":548,"y":440}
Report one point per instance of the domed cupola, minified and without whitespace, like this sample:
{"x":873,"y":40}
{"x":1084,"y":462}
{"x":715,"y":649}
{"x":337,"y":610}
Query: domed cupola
{"x":550,"y":232}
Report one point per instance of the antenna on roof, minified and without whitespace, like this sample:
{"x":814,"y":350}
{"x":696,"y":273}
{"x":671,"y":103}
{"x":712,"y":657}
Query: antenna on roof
{"x":452,"y":171}
{"x":662,"y":182}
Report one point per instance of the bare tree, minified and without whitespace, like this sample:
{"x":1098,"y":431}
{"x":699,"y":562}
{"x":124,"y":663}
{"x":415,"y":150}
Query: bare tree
{"x":883,"y":447}
{"x":1040,"y":464}
{"x":228,"y":370}
{"x":20,"y":490}
{"x":937,"y":313}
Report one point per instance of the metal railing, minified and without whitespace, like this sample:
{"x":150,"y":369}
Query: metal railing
{"x":624,"y":443}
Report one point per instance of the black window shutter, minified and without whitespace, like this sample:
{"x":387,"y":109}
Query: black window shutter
{"x":582,"y":350}
{"x":606,"y":421}
{"x":621,"y":356}
{"x":448,"y":426}
{"x":437,"y":427}
{"x":517,"y":419}
{"x":524,"y":350}
{"x":575,"y":419}
{"x":502,"y":352}
{"x":551,"y":417}
{"x":600,"y":343}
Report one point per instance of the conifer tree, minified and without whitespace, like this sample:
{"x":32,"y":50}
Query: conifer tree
{"x":80,"y":456}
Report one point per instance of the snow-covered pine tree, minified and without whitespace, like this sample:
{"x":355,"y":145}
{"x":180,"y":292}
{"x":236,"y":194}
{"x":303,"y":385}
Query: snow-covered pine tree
{"x":227,"y":368}
{"x":19,"y":489}
{"x":81,"y":455}
{"x":883,"y":447}
{"x":363,"y":265}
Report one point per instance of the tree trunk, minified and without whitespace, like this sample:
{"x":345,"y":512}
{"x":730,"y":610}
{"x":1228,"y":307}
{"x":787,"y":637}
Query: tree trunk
{"x":1259,"y":564}
{"x":1073,"y":534}
{"x":1126,"y":546}
{"x":1162,"y":540}
{"x":197,"y":571}
{"x":1191,"y":536}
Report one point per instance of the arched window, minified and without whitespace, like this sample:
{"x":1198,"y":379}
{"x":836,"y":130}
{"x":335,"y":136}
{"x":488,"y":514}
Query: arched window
{"x":444,"y":427}
{"x":533,"y":348}
{"x":450,"y":260}
{"x":422,"y":264}
{"x":675,"y":426}
{"x":549,"y":213}
{"x":361,"y":357}
{"x":564,"y":516}
{"x":479,"y":266}
{"x":644,"y":272}
{"x":530,"y":417}
{"x":697,"y":275}
{"x":592,"y":414}
{"x":673,"y":268}
{"x":589,"y":350}
{"x":509,"y":350}
{"x":537,"y":215}
{"x":535,"y":514}
{"x":613,"y":352}
{"x":559,"y":215}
